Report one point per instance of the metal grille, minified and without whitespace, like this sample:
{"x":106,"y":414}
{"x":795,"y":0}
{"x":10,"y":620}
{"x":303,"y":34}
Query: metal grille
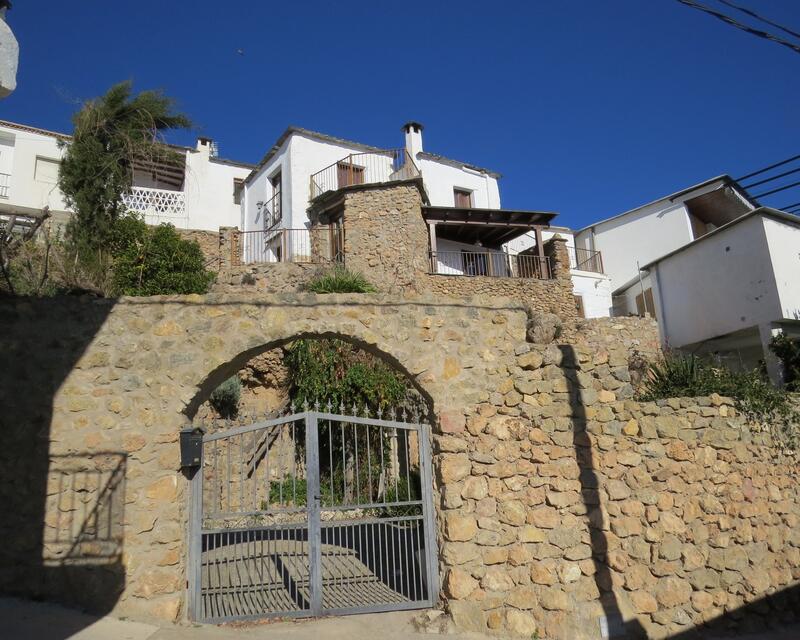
{"x":313,"y":513}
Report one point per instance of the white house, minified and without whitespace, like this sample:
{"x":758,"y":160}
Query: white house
{"x":728,"y":292}
{"x":9,"y":54}
{"x":303,"y":165}
{"x":200,"y":192}
{"x":634,"y":238}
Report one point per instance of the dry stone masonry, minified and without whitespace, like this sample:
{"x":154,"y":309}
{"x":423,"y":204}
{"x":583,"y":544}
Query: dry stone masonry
{"x":561,"y":500}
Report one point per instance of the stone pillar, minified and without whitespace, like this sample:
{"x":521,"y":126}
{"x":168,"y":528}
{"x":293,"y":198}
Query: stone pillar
{"x":230,"y":249}
{"x":556,"y":249}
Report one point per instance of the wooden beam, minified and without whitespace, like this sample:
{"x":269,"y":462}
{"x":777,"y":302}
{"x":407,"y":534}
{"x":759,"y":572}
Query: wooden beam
{"x":540,"y":251}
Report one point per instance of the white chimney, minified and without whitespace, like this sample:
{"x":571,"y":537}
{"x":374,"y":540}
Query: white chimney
{"x":207,"y":145}
{"x":413,"y":131}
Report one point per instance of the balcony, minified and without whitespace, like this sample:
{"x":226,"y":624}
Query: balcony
{"x":270,"y":211}
{"x":585,"y":260}
{"x":372,"y":167}
{"x":158,"y":205}
{"x":492,"y":264}
{"x":5,"y":184}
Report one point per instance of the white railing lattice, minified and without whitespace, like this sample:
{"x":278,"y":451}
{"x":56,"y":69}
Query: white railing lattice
{"x":157,"y":205}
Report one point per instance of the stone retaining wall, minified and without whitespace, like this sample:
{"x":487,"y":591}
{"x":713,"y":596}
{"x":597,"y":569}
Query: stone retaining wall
{"x":564,"y":500}
{"x":209,"y":242}
{"x":560,"y":499}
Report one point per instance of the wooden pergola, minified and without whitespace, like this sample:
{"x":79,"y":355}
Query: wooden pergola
{"x":490,"y":228}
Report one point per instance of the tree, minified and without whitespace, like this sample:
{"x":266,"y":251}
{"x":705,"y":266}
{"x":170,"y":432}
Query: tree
{"x":112,"y":133}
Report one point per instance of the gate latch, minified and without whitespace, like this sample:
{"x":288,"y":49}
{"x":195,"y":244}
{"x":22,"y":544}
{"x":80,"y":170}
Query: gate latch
{"x":191,"y":446}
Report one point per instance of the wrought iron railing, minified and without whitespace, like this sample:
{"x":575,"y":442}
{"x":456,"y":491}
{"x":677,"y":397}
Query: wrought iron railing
{"x":585,"y":259}
{"x":271,"y":211}
{"x":5,"y":184}
{"x":302,"y":246}
{"x":493,"y":264}
{"x":364,"y":168}
{"x":157,"y":205}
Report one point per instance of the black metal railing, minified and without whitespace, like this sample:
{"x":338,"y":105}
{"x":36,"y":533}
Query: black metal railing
{"x":271,"y":211}
{"x":364,"y":168}
{"x":301,"y":246}
{"x":585,"y":259}
{"x":493,"y":264}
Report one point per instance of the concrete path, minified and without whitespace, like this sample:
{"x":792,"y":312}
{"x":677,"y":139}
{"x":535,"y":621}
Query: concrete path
{"x":26,"y":620}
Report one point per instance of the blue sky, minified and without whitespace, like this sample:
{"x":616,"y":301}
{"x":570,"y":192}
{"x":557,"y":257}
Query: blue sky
{"x":586,"y":107}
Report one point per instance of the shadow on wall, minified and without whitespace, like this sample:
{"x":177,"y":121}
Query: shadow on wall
{"x":62,"y":515}
{"x":617,"y":627}
{"x":749,"y":617}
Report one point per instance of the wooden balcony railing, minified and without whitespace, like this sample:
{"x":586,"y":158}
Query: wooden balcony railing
{"x":585,"y":259}
{"x":301,"y":246}
{"x":364,"y":168}
{"x":490,"y":263}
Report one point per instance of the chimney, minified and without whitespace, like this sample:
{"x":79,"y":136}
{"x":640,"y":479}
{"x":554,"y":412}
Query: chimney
{"x":207,"y":145}
{"x":413,"y":131}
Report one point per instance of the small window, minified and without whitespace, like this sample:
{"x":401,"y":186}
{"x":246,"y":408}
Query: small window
{"x":238,"y":187}
{"x":46,"y":170}
{"x":579,"y":306}
{"x":645,"y":304}
{"x":462,"y":198}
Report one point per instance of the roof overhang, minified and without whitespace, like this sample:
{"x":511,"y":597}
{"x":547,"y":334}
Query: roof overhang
{"x":489,"y":227}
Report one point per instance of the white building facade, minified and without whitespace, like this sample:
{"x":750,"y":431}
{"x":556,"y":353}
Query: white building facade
{"x":727,"y":293}
{"x":303,"y":165}
{"x":200,"y":192}
{"x":632,"y":239}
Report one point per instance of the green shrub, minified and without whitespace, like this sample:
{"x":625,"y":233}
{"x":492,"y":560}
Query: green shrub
{"x":788,"y":351}
{"x":340,"y":280}
{"x":678,"y":375}
{"x":225,"y":398}
{"x":338,"y":372}
{"x":150,"y":261}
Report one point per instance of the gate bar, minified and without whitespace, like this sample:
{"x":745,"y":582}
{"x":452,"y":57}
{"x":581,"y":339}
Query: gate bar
{"x":313,"y":504}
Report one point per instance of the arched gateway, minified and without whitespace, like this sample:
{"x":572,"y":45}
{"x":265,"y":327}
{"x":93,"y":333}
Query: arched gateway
{"x":109,"y":384}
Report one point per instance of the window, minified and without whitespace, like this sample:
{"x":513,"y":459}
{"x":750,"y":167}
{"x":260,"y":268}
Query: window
{"x":579,"y":306}
{"x":46,"y":170}
{"x":349,"y":174}
{"x":462,"y":198}
{"x":238,"y":187}
{"x":645,"y":304}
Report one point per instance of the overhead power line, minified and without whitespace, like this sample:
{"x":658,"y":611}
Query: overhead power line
{"x":753,"y":14}
{"x":765,"y":169}
{"x":740,"y":25}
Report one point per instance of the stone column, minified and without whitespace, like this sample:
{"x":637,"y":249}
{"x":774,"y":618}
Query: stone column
{"x":230,"y":250}
{"x":556,"y":249}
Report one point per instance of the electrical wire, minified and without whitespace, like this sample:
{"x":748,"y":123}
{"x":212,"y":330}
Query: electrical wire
{"x":765,"y":169}
{"x":740,"y":25}
{"x":753,"y":14}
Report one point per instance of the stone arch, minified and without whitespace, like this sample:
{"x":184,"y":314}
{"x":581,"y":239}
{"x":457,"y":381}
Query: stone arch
{"x":225,"y":370}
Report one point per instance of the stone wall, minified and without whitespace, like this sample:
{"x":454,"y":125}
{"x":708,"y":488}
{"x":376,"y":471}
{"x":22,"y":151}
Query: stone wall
{"x":277,"y":277}
{"x":95,"y":392}
{"x":386,"y":238}
{"x":560,"y":499}
{"x":564,"y":500}
{"x":209,"y":242}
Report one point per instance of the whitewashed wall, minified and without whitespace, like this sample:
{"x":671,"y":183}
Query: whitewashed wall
{"x":28,"y":187}
{"x":595,"y":289}
{"x":784,"y":249}
{"x":208,"y":187}
{"x":642,"y":236}
{"x":722,"y":284}
{"x":440,"y":180}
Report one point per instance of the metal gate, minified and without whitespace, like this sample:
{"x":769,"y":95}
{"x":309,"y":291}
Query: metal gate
{"x":313,"y":513}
